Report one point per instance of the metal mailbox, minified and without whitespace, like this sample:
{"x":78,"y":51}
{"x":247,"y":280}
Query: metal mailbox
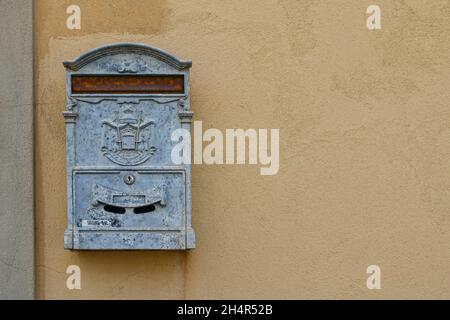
{"x":123,"y":102}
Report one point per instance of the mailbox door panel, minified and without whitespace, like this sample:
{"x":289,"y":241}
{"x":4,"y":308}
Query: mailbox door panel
{"x":154,"y":201}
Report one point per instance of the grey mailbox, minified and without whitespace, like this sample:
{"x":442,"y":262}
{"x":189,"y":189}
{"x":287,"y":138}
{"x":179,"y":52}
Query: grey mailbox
{"x":124,"y":192}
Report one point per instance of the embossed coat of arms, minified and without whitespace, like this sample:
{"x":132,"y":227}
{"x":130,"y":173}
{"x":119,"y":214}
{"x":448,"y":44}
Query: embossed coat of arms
{"x":128,"y":138}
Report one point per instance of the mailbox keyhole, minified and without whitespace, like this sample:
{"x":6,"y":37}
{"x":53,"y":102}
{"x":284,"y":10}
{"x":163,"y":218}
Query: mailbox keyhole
{"x":144,"y":209}
{"x":114,"y":209}
{"x":129,"y":179}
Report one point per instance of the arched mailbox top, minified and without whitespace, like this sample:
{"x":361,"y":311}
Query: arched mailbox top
{"x":127,"y":68}
{"x":127,"y":50}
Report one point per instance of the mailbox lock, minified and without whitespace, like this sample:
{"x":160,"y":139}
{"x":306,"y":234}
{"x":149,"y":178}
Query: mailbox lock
{"x":129,"y":179}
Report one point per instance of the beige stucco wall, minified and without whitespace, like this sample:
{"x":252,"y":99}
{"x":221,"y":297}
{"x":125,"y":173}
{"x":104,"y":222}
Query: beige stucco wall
{"x":364,"y":119}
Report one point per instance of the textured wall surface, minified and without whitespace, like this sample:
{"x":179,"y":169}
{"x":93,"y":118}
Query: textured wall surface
{"x":16,"y":155}
{"x":364,"y":121}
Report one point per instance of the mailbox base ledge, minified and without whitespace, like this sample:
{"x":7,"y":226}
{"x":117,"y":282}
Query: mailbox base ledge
{"x":128,"y":240}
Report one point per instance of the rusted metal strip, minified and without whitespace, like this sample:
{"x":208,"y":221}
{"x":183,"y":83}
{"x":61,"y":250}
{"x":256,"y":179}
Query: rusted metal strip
{"x":126,"y":84}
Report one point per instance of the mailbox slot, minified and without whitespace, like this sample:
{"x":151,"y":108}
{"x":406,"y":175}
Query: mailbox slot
{"x":128,"y":84}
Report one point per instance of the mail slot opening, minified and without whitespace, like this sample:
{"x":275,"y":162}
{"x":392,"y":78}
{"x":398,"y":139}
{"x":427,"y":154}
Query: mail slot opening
{"x":128,"y":84}
{"x":144,"y":209}
{"x":114,"y":209}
